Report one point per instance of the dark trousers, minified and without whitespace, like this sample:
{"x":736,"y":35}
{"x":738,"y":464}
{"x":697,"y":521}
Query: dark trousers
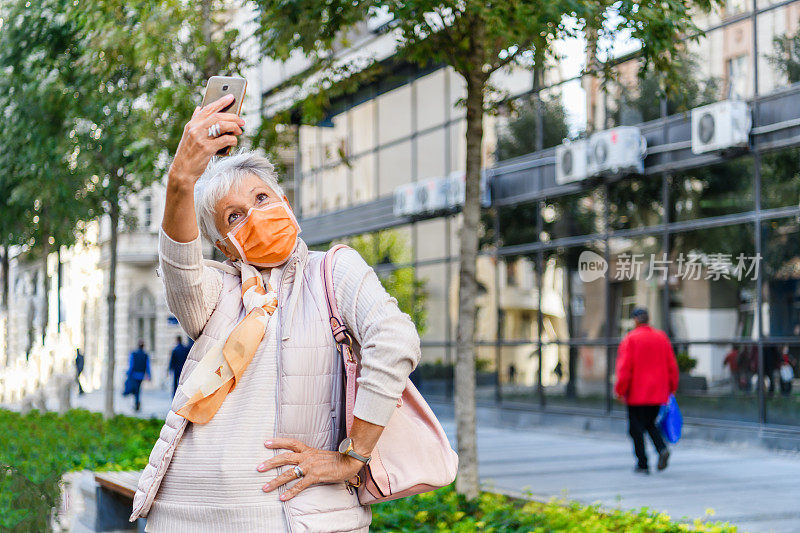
{"x":642,"y":418}
{"x":137,"y":389}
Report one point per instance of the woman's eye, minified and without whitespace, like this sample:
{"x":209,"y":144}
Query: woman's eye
{"x":232,"y":217}
{"x":262,"y":196}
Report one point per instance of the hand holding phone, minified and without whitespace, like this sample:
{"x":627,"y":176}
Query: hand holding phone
{"x":220,"y":87}
{"x":197,"y":147}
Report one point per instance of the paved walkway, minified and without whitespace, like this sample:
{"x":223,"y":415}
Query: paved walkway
{"x":755,"y":489}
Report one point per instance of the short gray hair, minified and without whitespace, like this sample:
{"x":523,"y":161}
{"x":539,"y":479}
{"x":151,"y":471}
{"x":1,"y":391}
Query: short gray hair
{"x":220,"y":176}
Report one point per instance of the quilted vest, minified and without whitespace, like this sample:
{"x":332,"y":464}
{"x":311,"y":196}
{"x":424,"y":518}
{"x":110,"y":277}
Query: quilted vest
{"x":309,"y":388}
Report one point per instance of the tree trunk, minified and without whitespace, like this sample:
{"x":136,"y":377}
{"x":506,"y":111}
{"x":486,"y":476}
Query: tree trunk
{"x":211,"y":64}
{"x":6,"y":280}
{"x":45,"y":286}
{"x":572,"y":360}
{"x":467,"y":480}
{"x":113,"y":214}
{"x":4,"y":309}
{"x":60,"y":274}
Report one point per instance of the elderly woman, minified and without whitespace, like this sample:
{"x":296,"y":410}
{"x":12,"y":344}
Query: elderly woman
{"x":251,"y":442}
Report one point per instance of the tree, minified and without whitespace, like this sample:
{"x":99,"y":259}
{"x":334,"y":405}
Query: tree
{"x":96,"y":101}
{"x":141,"y":72}
{"x":476,"y":39}
{"x":386,"y":249}
{"x":786,"y":56}
{"x":641,"y":101}
{"x":519,"y":135}
{"x":40,"y":183}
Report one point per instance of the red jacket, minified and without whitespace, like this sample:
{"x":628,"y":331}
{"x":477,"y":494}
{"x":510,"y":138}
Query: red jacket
{"x":647,"y":372}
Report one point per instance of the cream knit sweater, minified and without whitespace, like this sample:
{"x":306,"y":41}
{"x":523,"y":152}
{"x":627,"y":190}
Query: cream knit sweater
{"x":212,"y":483}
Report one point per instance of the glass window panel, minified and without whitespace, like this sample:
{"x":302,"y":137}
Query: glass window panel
{"x":386,"y":248}
{"x":780,"y":178}
{"x":777,"y":33}
{"x":518,"y":296}
{"x":636,"y":274}
{"x":394,"y":114}
{"x":431,"y":154}
{"x":567,"y":216}
{"x":431,"y":239}
{"x":519,"y":368}
{"x":717,"y":381}
{"x":574,"y":375}
{"x":573,"y":293}
{"x":635,"y":202}
{"x":363,"y":179}
{"x":781,"y":277}
{"x":712,"y":290}
{"x":431,"y":100}
{"x":431,"y":292}
{"x":394,"y":163}
{"x":363,"y":122}
{"x":710,"y":191}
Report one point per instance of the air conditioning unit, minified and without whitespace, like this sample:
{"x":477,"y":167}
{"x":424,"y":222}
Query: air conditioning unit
{"x":571,"y":161}
{"x":616,"y":152}
{"x":720,"y":126}
{"x":457,"y":188}
{"x":405,"y":200}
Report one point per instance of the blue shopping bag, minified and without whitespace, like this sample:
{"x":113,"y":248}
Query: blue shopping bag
{"x":670,"y":420}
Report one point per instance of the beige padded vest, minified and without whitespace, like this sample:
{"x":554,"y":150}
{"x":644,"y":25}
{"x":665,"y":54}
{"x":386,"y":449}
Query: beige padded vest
{"x":309,"y":406}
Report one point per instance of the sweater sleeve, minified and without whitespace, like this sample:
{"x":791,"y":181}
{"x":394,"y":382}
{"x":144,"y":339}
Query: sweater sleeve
{"x":192,"y":289}
{"x":390,"y":345}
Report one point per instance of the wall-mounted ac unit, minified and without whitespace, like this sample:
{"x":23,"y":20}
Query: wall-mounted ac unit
{"x":457,"y":189}
{"x":430,"y":196}
{"x":617,"y":151}
{"x":571,"y":161}
{"x":720,"y":126}
{"x":405,"y":200}
{"x":435,"y":194}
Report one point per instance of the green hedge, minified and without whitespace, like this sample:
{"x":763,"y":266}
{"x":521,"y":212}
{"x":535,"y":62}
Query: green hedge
{"x":37,"y":449}
{"x":444,"y":510}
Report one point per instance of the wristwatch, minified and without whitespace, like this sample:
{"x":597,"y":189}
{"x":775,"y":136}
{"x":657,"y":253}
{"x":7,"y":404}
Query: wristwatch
{"x":346,"y":448}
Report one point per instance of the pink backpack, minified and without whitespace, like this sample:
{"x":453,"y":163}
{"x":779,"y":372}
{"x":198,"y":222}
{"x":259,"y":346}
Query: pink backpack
{"x":413,"y":454}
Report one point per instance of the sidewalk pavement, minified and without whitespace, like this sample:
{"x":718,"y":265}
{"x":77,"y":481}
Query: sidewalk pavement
{"x":755,"y":489}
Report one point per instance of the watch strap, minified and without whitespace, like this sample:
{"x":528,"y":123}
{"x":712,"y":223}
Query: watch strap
{"x":352,"y":453}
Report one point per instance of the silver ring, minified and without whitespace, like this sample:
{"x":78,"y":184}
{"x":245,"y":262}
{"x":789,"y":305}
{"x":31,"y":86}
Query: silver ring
{"x":213,"y":131}
{"x":298,"y":472}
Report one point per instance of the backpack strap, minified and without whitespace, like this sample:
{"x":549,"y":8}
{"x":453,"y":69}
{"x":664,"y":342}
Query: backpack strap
{"x":344,"y":341}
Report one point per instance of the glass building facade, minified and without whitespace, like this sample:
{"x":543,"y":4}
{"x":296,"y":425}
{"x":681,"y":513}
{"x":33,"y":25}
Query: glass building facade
{"x":709,"y":244}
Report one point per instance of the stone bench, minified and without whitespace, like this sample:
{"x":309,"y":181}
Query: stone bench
{"x":108,"y":500}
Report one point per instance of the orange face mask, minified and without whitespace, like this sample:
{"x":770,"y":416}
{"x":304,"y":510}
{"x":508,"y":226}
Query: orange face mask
{"x":267,"y":235}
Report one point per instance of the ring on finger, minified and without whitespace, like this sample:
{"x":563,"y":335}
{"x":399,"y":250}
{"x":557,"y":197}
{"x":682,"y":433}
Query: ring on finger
{"x":213,"y":130}
{"x":298,"y":471}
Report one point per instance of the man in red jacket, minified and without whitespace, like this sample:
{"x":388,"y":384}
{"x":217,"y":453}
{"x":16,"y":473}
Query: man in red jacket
{"x":647,"y":374}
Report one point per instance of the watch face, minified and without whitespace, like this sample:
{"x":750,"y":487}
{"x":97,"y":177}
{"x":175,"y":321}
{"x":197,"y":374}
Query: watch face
{"x":344,"y":445}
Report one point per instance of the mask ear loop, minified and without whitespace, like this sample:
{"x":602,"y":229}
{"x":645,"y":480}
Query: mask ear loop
{"x":238,"y":247}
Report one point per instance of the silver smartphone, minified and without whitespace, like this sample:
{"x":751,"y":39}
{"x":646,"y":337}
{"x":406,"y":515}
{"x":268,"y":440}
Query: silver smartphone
{"x":219,"y":86}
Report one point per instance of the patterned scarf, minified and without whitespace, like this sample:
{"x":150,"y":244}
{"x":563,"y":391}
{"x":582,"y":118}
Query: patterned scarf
{"x":221,"y":368}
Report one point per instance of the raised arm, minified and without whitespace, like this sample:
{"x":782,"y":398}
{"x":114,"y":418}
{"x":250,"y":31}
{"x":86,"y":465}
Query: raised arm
{"x":192,"y":290}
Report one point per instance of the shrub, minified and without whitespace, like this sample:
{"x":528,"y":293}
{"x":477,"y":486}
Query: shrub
{"x":37,"y":449}
{"x":444,"y":510}
{"x":685,"y":363}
